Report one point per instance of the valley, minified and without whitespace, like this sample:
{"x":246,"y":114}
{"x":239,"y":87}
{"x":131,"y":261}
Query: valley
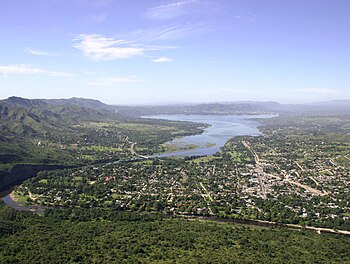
{"x":292,"y":173}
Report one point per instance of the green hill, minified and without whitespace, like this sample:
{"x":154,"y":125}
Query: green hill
{"x":25,"y":117}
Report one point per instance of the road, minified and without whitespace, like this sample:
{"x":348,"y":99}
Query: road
{"x":133,"y":151}
{"x":258,"y":169}
{"x":262,"y":174}
{"x":206,"y":195}
{"x":266,"y":224}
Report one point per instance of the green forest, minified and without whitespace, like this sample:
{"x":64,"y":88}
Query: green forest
{"x":99,"y":199}
{"x":100,"y":236}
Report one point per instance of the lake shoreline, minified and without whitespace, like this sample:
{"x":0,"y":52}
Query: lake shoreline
{"x":220,"y":129}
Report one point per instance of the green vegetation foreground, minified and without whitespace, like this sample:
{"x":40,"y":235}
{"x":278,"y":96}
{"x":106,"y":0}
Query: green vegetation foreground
{"x":99,"y":236}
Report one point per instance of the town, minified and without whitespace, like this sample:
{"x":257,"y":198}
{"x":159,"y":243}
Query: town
{"x":295,"y":173}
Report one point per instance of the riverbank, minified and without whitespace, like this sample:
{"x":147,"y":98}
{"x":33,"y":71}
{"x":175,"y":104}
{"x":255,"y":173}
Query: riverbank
{"x":21,"y":172}
{"x":12,"y":201}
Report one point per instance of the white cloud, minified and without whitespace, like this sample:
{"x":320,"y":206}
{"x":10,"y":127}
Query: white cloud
{"x":23,"y":69}
{"x":168,"y":32}
{"x":162,"y":59}
{"x":39,"y":52}
{"x":98,"y":47}
{"x":111,"y":81}
{"x":319,"y":90}
{"x":170,"y":10}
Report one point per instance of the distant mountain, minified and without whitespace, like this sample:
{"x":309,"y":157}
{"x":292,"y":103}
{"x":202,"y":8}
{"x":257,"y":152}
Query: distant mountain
{"x":341,"y":104}
{"x":224,"y":108}
{"x":334,"y":106}
{"x":23,"y":102}
{"x":333,"y":102}
{"x":89,"y":103}
{"x":25,"y":117}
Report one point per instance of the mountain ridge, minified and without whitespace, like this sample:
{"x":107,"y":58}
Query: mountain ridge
{"x":26,"y":117}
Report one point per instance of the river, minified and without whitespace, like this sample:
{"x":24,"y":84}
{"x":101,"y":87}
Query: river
{"x":7,"y":197}
{"x":222,"y":128}
{"x":17,"y":175}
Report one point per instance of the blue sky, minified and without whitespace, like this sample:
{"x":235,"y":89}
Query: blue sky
{"x":136,"y":52}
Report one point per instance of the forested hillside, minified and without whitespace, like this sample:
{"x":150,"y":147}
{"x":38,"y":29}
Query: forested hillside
{"x":25,"y":117}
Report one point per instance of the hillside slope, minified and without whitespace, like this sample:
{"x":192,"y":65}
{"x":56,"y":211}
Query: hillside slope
{"x":26,"y":117}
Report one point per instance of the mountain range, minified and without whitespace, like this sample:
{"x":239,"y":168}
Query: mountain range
{"x":25,"y":117}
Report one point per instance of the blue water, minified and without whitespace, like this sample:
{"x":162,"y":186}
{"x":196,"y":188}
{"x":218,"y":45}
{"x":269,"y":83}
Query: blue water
{"x":20,"y":206}
{"x":222,"y":128}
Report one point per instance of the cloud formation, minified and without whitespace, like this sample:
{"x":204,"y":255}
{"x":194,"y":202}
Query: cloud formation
{"x":101,"y":48}
{"x":111,"y":81}
{"x":168,"y":32}
{"x":162,"y":59}
{"x":22,"y":69}
{"x":170,"y":10}
{"x":98,"y":47}
{"x":38,"y":52}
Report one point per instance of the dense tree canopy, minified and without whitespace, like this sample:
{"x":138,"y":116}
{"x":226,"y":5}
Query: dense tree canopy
{"x":100,"y":236}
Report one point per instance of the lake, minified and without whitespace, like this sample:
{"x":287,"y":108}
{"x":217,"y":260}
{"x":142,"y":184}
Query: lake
{"x":222,"y":128}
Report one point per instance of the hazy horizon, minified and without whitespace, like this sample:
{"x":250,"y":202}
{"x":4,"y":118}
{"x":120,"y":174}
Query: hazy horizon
{"x":182,"y":51}
{"x":167,"y":103}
